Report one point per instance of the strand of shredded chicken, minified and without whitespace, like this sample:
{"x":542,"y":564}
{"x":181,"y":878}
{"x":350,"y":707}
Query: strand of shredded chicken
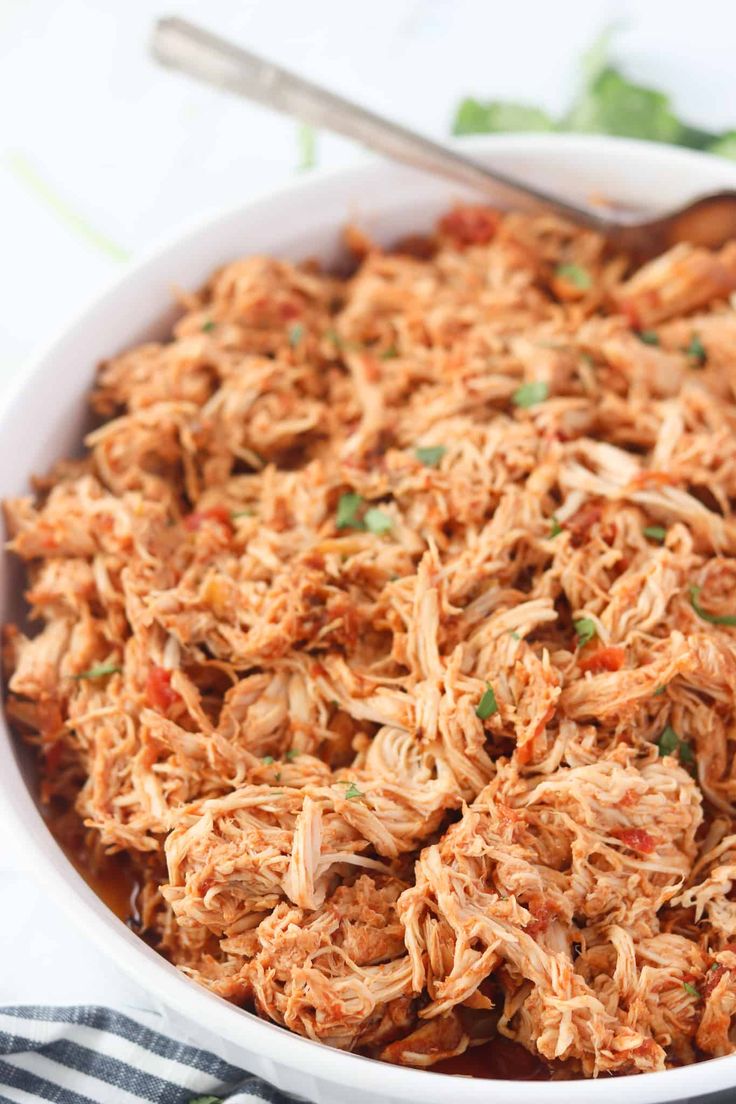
{"x":388,"y":626}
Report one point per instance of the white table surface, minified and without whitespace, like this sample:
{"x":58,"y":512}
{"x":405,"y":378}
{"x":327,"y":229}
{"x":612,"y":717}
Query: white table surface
{"x":101,"y":153}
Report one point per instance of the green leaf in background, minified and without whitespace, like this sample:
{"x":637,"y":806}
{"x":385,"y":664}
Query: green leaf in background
{"x":614,"y":105}
{"x":607,"y":103}
{"x":725,"y":146}
{"x":499,"y":117}
{"x":307,"y":142}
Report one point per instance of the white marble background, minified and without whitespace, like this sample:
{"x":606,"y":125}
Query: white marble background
{"x":101,"y":152}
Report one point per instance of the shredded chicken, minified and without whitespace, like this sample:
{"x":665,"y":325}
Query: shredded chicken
{"x":387,"y":627}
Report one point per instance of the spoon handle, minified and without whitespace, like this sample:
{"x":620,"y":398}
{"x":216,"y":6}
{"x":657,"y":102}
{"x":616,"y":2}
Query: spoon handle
{"x":182,"y":45}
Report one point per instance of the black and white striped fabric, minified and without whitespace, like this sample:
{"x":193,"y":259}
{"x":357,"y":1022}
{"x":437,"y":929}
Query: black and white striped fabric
{"x":85,"y":1054}
{"x":92,"y":1055}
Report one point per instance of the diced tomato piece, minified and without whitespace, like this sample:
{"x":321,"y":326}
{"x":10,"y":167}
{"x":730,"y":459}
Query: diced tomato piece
{"x":638,"y":839}
{"x":631,"y":314}
{"x":215,"y":513}
{"x":470,"y":225}
{"x":604,"y":659}
{"x":159,"y":691}
{"x":290,"y":310}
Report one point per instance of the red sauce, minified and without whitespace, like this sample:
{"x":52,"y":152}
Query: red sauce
{"x":470,"y":225}
{"x":112,"y":879}
{"x":159,"y":692}
{"x":500,"y":1058}
{"x":603,"y":659}
{"x":637,"y":839}
{"x":216,"y":513}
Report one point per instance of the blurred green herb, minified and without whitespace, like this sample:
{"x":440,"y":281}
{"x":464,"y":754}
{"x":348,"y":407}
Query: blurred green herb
{"x":713,"y":618}
{"x":487,"y":705}
{"x":307,"y":142}
{"x":574,"y":274}
{"x":347,"y":511}
{"x":99,"y":670}
{"x":529,"y":394}
{"x":430,"y":455}
{"x":377,"y":521}
{"x":696,"y":351}
{"x":607,"y":102}
{"x":586,"y":630}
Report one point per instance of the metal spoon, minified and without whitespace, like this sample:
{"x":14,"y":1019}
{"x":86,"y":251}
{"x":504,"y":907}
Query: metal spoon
{"x":708,"y":220}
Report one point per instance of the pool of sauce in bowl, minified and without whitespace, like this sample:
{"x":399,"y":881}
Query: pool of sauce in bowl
{"x":110,"y":877}
{"x":500,"y":1058}
{"x":115,"y":883}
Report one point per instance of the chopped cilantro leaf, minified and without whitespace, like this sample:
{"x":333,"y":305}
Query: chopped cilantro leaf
{"x":514,"y":636}
{"x":649,"y":337}
{"x":267,"y":760}
{"x":208,"y":327}
{"x":99,"y":670}
{"x":389,"y":354}
{"x":669,"y":743}
{"x":691,"y":990}
{"x":430,"y":455}
{"x":347,"y":511}
{"x":659,"y":690}
{"x":713,"y":618}
{"x":352,"y":791}
{"x":656,"y":533}
{"x":586,"y":630}
{"x":529,"y":394}
{"x":292,"y":754}
{"x":487,"y":705}
{"x":296,"y":333}
{"x":696,"y":351}
{"x":555,"y":528}
{"x":246,"y":512}
{"x":499,"y":116}
{"x":574,"y":274}
{"x":307,"y":141}
{"x":378,"y":521}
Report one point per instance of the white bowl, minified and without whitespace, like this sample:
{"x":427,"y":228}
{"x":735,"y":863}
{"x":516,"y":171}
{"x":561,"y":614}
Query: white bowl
{"x":43,"y":420}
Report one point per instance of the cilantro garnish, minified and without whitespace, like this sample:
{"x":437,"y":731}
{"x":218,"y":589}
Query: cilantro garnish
{"x":574,"y":274}
{"x":713,"y":618}
{"x":696,"y":351}
{"x":669,"y":743}
{"x":656,"y":533}
{"x":529,"y":394}
{"x":377,"y":521}
{"x":347,"y":511}
{"x":586,"y":630}
{"x":99,"y":670}
{"x":430,"y":455}
{"x":487,"y":705}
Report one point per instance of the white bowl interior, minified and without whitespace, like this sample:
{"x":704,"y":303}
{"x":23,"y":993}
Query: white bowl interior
{"x":44,"y":419}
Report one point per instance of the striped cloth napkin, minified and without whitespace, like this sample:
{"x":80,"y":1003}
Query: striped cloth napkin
{"x":86,"y":1054}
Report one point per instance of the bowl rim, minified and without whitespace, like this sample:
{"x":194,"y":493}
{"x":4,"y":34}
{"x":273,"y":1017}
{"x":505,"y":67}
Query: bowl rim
{"x":245,"y":1030}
